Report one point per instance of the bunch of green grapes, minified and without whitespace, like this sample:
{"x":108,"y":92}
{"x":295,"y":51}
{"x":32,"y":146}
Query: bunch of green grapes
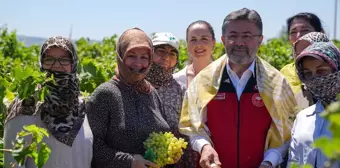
{"x":164,"y":148}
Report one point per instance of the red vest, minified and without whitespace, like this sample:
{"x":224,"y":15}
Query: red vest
{"x":238,"y":128}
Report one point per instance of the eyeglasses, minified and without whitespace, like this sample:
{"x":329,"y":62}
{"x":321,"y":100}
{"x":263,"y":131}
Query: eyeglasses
{"x":52,"y":61}
{"x":245,"y":37}
{"x":163,"y":52}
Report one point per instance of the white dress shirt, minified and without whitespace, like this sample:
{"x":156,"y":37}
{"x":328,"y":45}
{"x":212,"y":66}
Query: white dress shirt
{"x":240,"y":84}
{"x":272,"y":155}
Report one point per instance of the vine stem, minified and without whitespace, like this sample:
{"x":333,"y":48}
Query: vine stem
{"x":6,"y":150}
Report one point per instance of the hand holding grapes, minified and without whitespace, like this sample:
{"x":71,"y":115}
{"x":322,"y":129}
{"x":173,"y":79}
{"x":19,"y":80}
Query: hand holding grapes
{"x":140,"y":162}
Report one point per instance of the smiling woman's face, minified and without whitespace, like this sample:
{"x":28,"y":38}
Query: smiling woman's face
{"x":137,"y":59}
{"x":200,"y":41}
{"x":298,"y":28}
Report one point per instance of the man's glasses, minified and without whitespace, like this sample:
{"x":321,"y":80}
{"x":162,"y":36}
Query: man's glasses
{"x":245,"y":37}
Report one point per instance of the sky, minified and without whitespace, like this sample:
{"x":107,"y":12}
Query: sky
{"x":104,"y":18}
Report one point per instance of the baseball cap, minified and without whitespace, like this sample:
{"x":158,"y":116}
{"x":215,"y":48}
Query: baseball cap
{"x":165,"y":38}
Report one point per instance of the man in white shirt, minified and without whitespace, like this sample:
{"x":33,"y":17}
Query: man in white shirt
{"x":237,"y":125}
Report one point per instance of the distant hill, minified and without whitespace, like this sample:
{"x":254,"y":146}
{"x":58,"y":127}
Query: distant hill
{"x":31,"y":40}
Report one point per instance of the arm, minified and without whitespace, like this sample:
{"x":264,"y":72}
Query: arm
{"x":193,"y":125}
{"x":100,"y":112}
{"x":197,"y":142}
{"x":275,"y":155}
{"x":188,"y":123}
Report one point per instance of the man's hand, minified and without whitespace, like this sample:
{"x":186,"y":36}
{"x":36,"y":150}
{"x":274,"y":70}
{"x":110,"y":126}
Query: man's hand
{"x":208,"y":157}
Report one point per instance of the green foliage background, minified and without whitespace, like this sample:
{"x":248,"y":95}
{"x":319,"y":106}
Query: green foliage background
{"x":97,"y":65}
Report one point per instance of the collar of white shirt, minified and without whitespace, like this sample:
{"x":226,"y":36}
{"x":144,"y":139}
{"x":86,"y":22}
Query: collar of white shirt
{"x":318,"y":109}
{"x":251,"y":68}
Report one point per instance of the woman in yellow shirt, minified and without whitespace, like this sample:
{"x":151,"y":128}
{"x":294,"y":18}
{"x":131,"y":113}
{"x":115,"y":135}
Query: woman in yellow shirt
{"x":304,"y":29}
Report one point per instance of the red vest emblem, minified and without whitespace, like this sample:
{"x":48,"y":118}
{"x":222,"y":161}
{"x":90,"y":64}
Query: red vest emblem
{"x":257,"y":100}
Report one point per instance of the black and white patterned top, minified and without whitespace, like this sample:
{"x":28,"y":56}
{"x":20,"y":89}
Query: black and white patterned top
{"x":171,"y":96}
{"x":121,"y":119}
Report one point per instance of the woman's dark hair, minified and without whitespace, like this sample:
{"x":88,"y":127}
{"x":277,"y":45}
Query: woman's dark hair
{"x":311,"y":18}
{"x":202,"y":22}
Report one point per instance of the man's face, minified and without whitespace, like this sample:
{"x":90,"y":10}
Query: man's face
{"x":241,"y":40}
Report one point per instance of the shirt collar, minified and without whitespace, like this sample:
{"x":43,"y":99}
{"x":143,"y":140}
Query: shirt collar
{"x":318,"y":109}
{"x":251,"y":68}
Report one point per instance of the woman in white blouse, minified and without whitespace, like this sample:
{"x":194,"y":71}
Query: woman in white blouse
{"x":62,"y":112}
{"x":201,"y":41}
{"x":318,"y":67}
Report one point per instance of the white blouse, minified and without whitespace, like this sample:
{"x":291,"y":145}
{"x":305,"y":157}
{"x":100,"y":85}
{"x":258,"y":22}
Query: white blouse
{"x":61,"y":156}
{"x":309,"y":126}
{"x":181,"y":77}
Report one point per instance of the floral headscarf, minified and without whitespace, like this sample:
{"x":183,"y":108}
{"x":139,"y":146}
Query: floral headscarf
{"x":324,"y":88}
{"x":311,"y":37}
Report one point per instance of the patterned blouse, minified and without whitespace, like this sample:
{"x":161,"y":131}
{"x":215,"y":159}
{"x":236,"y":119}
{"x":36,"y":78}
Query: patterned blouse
{"x":171,"y":96}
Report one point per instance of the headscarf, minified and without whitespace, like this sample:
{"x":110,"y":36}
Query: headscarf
{"x":324,"y":88}
{"x":311,"y":37}
{"x":62,"y":111}
{"x":130,"y":39}
{"x":159,"y":75}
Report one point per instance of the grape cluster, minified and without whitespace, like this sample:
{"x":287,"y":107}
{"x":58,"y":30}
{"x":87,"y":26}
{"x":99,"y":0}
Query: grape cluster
{"x":166,"y":147}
